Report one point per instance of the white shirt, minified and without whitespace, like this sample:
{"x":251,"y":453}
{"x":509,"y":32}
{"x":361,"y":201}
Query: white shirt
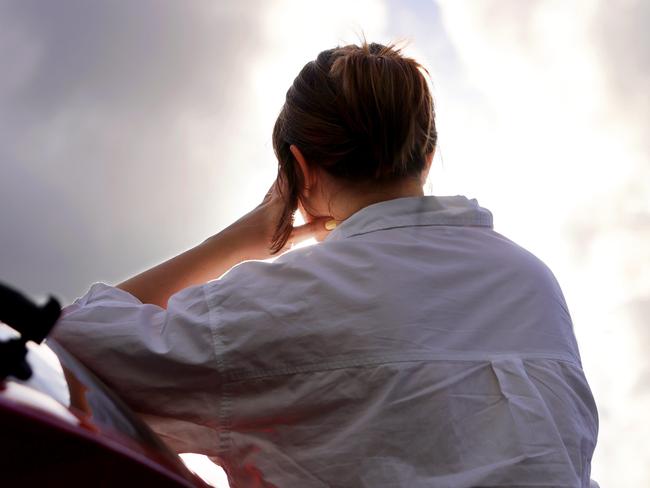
{"x":413,"y":347}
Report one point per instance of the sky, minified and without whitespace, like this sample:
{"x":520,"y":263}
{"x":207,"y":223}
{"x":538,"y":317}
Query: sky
{"x":132,"y":131}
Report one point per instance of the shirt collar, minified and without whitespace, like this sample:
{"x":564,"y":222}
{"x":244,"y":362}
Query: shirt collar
{"x":413,"y":211}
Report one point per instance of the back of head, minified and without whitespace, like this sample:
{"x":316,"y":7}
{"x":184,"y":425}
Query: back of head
{"x":361,"y":113}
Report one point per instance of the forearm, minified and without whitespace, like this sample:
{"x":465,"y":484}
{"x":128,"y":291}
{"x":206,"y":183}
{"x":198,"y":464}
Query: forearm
{"x":205,"y":262}
{"x":247,"y":238}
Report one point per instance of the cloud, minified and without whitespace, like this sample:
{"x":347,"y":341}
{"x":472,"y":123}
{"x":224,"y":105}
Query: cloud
{"x":622,"y":42}
{"x":639,"y":308}
{"x":117,"y":122}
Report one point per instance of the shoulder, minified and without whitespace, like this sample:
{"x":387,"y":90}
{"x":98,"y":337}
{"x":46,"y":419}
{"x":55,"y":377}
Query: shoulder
{"x":256,"y":277}
{"x":506,"y":251}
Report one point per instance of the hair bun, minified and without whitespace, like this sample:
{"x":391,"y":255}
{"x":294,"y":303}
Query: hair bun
{"x":385,"y":104}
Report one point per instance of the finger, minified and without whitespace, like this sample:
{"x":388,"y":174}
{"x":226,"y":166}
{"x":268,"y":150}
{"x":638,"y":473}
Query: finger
{"x":316,"y":229}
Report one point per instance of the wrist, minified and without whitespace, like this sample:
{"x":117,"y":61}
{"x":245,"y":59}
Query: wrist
{"x":233,"y":244}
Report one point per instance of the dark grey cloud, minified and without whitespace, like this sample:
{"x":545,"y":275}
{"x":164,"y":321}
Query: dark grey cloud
{"x":137,"y":58}
{"x":96,"y":101}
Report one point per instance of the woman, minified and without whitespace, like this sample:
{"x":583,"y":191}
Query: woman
{"x":412,"y":346}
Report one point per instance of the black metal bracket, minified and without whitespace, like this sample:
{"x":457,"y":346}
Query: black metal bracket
{"x":32,"y":322}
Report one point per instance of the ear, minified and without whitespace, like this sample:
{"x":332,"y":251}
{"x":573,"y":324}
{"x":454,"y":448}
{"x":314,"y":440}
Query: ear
{"x":307,"y":173}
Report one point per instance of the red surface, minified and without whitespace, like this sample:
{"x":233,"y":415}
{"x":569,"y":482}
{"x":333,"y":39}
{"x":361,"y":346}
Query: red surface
{"x":38,"y":449}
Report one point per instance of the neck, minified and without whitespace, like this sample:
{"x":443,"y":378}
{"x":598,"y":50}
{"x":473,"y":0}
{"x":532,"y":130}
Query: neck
{"x":346,"y":202}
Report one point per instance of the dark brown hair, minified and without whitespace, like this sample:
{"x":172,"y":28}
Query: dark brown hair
{"x":361,"y":113}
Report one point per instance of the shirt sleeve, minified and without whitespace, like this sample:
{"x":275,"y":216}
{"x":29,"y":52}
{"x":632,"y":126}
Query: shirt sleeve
{"x":161,"y":362}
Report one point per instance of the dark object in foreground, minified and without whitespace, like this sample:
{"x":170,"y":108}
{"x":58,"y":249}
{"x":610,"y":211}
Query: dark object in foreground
{"x":32,"y":322}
